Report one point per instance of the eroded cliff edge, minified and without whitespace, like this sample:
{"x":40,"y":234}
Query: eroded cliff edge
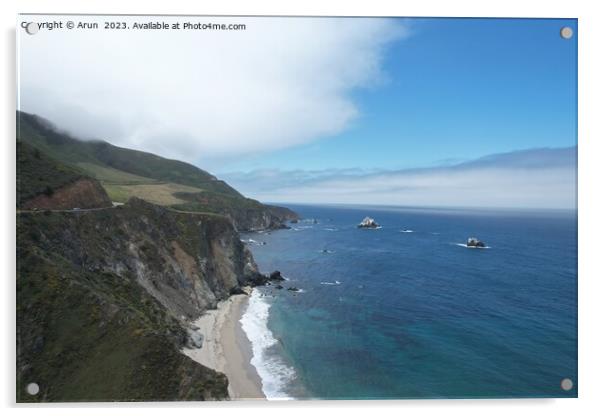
{"x":106,"y":295}
{"x":104,"y":298}
{"x":50,"y":160}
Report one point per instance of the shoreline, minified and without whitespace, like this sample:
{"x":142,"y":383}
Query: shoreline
{"x":226,"y":348}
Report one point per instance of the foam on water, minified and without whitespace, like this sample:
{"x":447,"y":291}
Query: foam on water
{"x":467,"y":246}
{"x":275,"y":374}
{"x":251,"y":241}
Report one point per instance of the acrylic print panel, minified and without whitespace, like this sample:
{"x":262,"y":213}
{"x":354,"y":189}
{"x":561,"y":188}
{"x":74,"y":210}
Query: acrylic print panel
{"x":219,"y":208}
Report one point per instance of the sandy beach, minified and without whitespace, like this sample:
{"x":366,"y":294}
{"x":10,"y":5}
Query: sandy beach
{"x":226,"y":348}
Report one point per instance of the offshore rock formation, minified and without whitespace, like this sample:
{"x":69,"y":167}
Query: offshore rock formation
{"x":368,"y":223}
{"x":475,"y":242}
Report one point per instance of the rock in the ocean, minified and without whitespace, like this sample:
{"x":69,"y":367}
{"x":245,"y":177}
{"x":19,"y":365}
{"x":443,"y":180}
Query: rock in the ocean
{"x":256,"y":279}
{"x":368,"y":223}
{"x":475,"y":242}
{"x":276,"y":275}
{"x":293,"y":289}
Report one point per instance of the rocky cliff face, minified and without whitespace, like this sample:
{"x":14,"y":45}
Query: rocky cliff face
{"x":105,"y":297}
{"x":246,"y":214}
{"x":84,"y":193}
{"x":266,"y":218}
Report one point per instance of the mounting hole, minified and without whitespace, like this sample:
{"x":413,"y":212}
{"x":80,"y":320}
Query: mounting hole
{"x":32,"y":28}
{"x":566,"y":32}
{"x":566,"y":384}
{"x":32,"y":389}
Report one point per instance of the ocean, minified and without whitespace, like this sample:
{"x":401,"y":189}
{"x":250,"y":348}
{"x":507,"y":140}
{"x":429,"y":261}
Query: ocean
{"x":408,"y":311}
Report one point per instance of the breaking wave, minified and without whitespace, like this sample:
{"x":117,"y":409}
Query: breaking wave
{"x":275,"y":374}
{"x":467,"y":246}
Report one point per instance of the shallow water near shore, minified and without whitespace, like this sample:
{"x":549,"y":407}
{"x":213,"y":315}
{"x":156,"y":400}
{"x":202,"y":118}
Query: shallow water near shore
{"x":389,"y":313}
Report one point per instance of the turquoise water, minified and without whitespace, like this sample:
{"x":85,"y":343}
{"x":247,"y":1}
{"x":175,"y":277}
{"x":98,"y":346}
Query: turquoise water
{"x":406,"y":311}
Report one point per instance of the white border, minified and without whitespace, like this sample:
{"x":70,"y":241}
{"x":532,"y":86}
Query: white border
{"x":590,"y":137}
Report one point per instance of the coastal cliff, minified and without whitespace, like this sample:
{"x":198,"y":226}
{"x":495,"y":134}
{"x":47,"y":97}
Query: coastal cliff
{"x":126,"y":173}
{"x":105,"y":298}
{"x":246,"y":214}
{"x":107,"y":295}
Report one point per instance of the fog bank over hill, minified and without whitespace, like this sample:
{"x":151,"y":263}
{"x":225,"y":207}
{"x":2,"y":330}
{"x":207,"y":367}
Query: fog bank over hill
{"x":207,"y":97}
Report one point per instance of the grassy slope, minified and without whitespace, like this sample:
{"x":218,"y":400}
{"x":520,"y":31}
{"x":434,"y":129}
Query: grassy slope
{"x":126,"y":173}
{"x":39,"y":174}
{"x":110,"y":175}
{"x":112,"y":163}
{"x":157,"y":193}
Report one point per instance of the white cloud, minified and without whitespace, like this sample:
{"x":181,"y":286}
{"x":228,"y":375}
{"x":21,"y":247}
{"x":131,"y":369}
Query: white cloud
{"x":204,"y":96}
{"x":538,"y":178}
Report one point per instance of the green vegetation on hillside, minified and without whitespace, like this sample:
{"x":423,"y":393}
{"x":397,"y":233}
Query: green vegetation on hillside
{"x":86,"y":334}
{"x":110,"y":175}
{"x":157,"y":193}
{"x":126,"y":173}
{"x":246,"y":213}
{"x":105,"y":296}
{"x":97,"y":156}
{"x":39,"y":174}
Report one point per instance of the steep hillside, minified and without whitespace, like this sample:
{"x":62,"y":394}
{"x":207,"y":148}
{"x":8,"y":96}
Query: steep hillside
{"x":105,"y":298}
{"x":126,"y":173}
{"x":247,"y":214}
{"x":45,"y":183}
{"x":62,"y":146}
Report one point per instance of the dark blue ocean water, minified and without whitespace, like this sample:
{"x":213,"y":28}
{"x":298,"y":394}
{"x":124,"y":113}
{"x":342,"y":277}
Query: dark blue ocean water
{"x":414,"y":314}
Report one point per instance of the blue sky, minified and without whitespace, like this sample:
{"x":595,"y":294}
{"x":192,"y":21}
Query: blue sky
{"x":387,"y":111}
{"x":453,"y":90}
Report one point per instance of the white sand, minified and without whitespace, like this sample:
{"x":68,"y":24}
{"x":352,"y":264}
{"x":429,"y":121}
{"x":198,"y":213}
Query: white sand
{"x":226,"y":348}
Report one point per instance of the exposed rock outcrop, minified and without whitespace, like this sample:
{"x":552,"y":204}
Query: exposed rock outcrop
{"x":84,"y":193}
{"x":105,"y":298}
{"x":246,"y":214}
{"x":106,"y":295}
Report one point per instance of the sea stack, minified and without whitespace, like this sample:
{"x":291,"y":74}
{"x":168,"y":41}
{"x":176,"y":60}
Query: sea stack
{"x":475,"y":242}
{"x":368,"y":223}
